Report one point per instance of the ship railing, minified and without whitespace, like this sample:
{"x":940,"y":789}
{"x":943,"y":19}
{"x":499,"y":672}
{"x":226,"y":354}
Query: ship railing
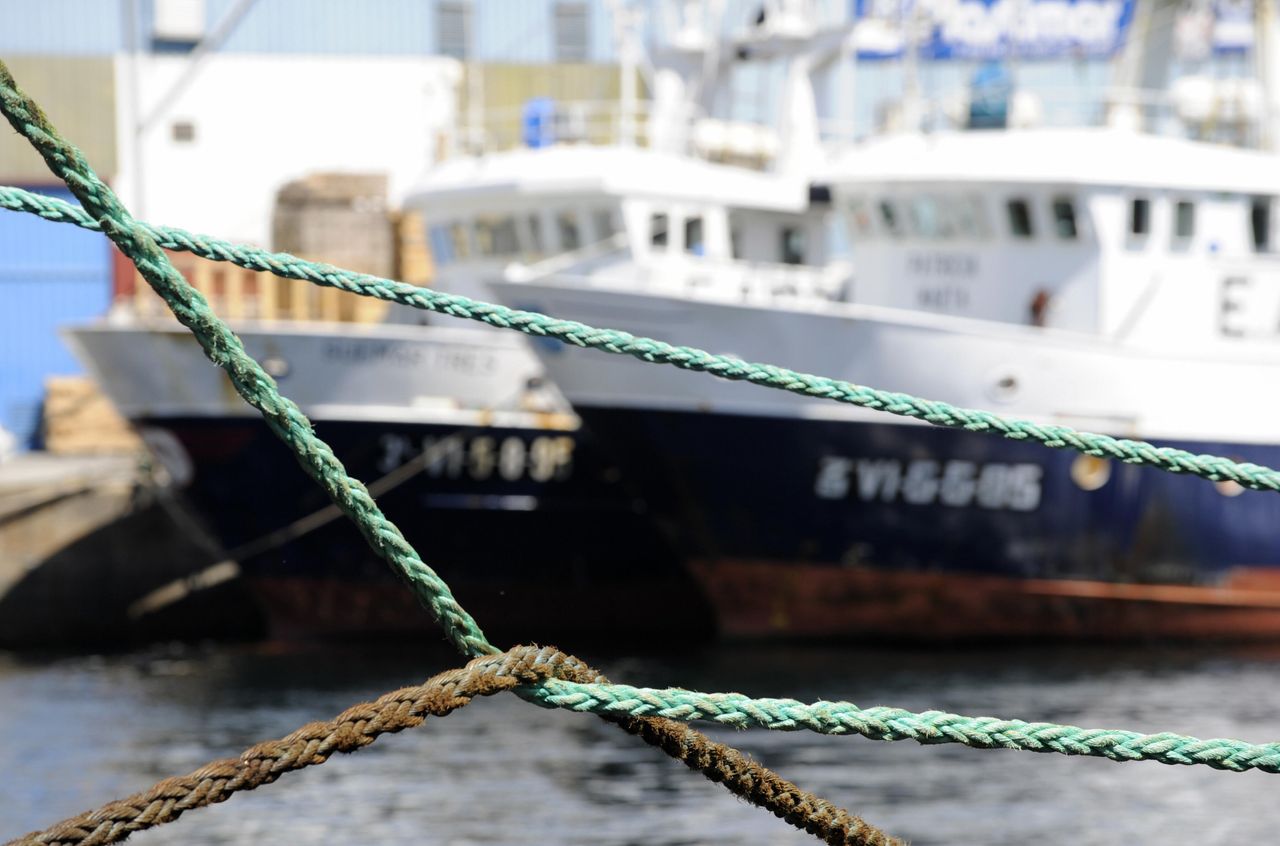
{"x":582,"y":122}
{"x":1226,"y":110}
{"x":610,"y":123}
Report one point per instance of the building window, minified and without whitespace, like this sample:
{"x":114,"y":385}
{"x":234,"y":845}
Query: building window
{"x":1260,"y":224}
{"x":793,"y":245}
{"x":183,"y":131}
{"x":1064,"y":218}
{"x":453,"y":28}
{"x":1184,"y":220}
{"x":571,"y":28}
{"x":1020,"y":225}
{"x":1140,"y":217}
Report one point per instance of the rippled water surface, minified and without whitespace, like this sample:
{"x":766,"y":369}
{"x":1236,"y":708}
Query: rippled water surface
{"x":76,"y":731}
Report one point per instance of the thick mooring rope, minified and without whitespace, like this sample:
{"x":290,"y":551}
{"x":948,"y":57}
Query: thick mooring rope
{"x":536,"y":674}
{"x":360,"y":725}
{"x":718,"y":762}
{"x":885,"y":723}
{"x":1213,"y":467}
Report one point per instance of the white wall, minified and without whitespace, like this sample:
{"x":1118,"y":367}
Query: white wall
{"x":261,"y":121}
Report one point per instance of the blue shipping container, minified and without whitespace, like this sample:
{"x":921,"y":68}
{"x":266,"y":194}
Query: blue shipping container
{"x":51,"y":274}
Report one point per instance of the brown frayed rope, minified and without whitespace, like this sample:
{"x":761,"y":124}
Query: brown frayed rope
{"x":409,"y":707}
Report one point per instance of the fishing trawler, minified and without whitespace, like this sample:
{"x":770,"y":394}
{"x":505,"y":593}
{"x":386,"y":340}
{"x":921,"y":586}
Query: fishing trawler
{"x":1110,"y":278}
{"x":464,"y":443}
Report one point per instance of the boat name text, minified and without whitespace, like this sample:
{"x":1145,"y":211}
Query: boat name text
{"x":480,"y":458}
{"x":924,"y":481}
{"x":942,"y":264}
{"x":471,"y":361}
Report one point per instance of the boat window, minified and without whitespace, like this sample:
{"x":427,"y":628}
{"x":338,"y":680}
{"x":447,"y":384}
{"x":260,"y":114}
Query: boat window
{"x":496,"y":236}
{"x":1260,"y":223}
{"x":505,"y":242}
{"x":888,"y":216}
{"x":567,"y":230}
{"x":860,"y":217}
{"x":603,"y":221}
{"x":535,"y":234}
{"x":693,"y":236}
{"x":925,"y":220}
{"x":968,"y":217}
{"x":441,"y":245}
{"x":1020,"y":225}
{"x":1064,"y":218}
{"x":735,"y":242}
{"x":1184,"y":220}
{"x":1140,"y":216}
{"x":792,"y":245}
{"x":461,"y":243}
{"x":658,"y":230}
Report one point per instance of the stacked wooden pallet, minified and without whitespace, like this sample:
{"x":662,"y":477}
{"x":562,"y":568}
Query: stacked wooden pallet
{"x":80,"y":420}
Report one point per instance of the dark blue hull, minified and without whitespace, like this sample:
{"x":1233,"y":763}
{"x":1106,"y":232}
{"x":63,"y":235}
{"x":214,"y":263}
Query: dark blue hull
{"x":817,"y":527}
{"x":532,"y":529}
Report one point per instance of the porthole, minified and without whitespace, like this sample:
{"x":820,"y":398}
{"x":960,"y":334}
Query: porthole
{"x":1090,"y":472}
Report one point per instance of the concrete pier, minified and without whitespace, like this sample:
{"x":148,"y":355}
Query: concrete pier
{"x":93,"y":552}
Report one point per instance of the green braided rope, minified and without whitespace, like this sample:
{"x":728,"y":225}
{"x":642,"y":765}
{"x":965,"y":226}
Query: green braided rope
{"x":223,"y":348}
{"x":1128,"y":451}
{"x":884,"y":723}
{"x":138,"y":241}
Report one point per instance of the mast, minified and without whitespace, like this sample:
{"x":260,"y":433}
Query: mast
{"x":1266,"y":64}
{"x":681,"y":89}
{"x":1144,"y":63}
{"x":627,"y":19}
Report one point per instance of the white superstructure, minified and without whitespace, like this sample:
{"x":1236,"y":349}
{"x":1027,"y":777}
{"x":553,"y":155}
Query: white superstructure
{"x":1082,"y":276}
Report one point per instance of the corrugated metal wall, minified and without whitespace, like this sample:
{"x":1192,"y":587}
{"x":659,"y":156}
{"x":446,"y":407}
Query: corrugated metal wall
{"x":506,"y":30}
{"x":50,"y":274}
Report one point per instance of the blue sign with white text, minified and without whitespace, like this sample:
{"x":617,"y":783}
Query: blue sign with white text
{"x":984,"y":30}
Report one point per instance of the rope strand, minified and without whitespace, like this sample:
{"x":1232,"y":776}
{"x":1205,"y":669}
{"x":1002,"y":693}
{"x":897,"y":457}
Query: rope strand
{"x":886,"y":723}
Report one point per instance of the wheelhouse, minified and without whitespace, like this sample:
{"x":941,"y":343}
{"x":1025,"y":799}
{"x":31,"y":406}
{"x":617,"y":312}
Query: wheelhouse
{"x":1133,"y":237}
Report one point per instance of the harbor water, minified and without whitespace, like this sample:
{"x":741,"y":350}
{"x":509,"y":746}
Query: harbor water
{"x":76,"y":731}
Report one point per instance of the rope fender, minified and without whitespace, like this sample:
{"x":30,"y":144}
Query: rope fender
{"x":361,"y":725}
